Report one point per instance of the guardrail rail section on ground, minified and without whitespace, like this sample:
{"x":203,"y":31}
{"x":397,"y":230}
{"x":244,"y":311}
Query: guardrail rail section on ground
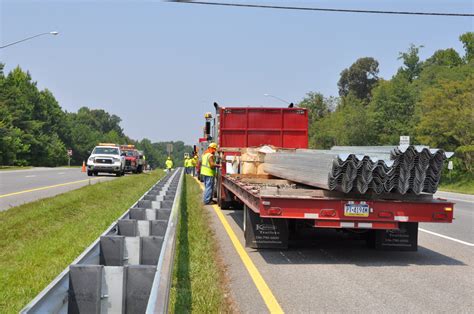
{"x":128,"y":268}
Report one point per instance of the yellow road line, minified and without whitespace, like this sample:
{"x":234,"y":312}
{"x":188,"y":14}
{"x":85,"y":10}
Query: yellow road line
{"x":47,"y":187}
{"x":260,"y":283}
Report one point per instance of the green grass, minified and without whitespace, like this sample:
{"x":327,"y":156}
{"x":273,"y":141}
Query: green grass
{"x":38,"y":240}
{"x":2,"y":168}
{"x":198,"y":277}
{"x":462,"y":185}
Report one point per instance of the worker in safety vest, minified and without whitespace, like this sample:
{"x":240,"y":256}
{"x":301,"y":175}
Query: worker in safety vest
{"x":169,"y":164}
{"x":194,"y":161}
{"x":186,"y":165}
{"x":208,"y":172}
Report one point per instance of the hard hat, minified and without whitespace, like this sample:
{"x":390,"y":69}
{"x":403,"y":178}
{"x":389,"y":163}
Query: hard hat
{"x":169,"y":157}
{"x":213,"y":145}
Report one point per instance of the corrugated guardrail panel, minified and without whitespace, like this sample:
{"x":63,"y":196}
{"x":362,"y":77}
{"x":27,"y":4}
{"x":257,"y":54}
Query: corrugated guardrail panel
{"x":380,"y":169}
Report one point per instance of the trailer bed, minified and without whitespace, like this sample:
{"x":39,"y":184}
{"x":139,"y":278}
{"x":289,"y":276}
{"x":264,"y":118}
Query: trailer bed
{"x":275,"y":198}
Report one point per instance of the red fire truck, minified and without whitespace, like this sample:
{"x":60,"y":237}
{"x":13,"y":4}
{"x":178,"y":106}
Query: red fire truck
{"x":273,"y":207}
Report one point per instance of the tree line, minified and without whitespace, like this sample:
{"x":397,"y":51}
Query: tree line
{"x":36,"y":131}
{"x":431,"y":100}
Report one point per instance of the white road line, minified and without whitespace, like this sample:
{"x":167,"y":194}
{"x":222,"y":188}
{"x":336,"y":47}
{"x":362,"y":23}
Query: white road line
{"x":455,"y":197}
{"x":30,"y":176}
{"x":446,"y":237}
{"x":61,"y":173}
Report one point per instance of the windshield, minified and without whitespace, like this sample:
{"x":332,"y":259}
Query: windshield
{"x":105,"y":151}
{"x":129,"y":153}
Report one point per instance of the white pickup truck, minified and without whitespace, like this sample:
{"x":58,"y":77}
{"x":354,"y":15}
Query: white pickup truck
{"x":106,"y":158}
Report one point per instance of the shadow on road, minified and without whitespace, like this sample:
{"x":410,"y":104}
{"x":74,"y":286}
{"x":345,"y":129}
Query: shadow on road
{"x":111,"y":175}
{"x":330,"y":246}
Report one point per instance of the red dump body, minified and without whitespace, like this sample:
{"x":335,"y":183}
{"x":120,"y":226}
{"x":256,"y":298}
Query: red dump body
{"x":251,"y":127}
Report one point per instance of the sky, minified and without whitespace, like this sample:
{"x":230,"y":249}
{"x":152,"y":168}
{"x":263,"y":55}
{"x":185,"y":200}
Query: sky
{"x":160,"y":65}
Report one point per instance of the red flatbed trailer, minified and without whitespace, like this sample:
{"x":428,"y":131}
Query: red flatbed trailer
{"x":273,"y":206}
{"x":326,"y":208}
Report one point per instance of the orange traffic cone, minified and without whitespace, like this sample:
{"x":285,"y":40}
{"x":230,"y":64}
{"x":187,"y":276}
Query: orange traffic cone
{"x":83,"y":166}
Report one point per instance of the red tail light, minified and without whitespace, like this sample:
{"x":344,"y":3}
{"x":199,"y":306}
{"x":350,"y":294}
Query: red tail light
{"x":385,"y":215}
{"x":440,"y":216}
{"x":274,"y":211}
{"x":327,"y":213}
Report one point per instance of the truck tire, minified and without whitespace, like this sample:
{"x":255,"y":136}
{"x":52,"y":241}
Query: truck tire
{"x":96,"y":173}
{"x":118,"y":174}
{"x":89,"y":173}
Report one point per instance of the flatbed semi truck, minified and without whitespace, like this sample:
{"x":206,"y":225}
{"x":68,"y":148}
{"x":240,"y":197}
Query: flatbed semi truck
{"x":273,"y":208}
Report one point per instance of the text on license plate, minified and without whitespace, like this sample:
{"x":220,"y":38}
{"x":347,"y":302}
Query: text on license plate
{"x":356,"y":210}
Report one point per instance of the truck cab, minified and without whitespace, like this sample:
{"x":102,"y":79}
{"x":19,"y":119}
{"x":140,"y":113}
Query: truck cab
{"x":106,"y":158}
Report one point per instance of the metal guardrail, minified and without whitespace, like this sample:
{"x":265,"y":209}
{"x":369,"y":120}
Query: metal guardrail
{"x":159,"y":295}
{"x":126,"y":253}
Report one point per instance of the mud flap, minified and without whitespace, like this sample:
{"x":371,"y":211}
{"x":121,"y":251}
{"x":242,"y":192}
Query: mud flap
{"x":264,"y":233}
{"x":404,"y":239}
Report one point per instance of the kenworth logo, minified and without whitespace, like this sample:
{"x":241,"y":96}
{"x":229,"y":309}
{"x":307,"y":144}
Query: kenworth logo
{"x":266,"y":227}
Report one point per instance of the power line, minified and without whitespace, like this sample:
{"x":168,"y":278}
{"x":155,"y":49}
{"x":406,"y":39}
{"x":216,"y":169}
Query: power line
{"x":262,"y":6}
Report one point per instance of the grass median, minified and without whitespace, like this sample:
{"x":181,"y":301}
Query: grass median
{"x":39,"y":239}
{"x":461,"y":185}
{"x":198,"y":276}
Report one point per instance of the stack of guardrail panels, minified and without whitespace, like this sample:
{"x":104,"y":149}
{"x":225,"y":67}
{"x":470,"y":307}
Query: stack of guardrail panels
{"x":362,"y":169}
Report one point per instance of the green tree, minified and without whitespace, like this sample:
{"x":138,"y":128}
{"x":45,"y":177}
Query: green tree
{"x":359,"y":78}
{"x":444,"y":57}
{"x":316,"y":105}
{"x":391,"y":112}
{"x":447,"y":114}
{"x":10,"y":136}
{"x":467,"y":40}
{"x":411,"y":62}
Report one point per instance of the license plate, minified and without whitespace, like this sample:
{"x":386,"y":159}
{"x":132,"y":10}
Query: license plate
{"x":356,"y":210}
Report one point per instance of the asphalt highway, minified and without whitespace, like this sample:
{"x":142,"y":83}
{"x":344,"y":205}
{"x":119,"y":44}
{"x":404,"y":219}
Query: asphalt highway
{"x":329,"y":271}
{"x":22,"y":186}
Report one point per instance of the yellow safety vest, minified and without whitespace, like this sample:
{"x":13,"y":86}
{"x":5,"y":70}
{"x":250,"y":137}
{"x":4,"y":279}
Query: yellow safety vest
{"x":206,"y":169}
{"x":194,"y":162}
{"x":169,"y":164}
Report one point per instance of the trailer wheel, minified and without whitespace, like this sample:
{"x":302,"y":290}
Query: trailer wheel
{"x":222,"y":203}
{"x":370,"y":239}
